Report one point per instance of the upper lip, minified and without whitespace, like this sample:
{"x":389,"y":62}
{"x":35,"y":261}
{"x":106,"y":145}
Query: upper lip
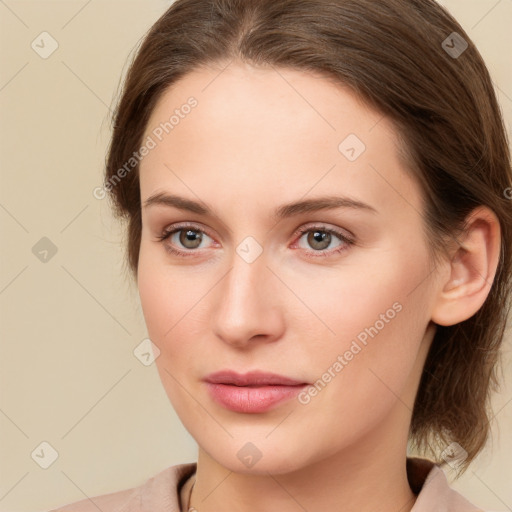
{"x":254,"y":378}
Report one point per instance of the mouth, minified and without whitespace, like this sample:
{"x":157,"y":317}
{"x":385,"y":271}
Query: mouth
{"x":253,"y":392}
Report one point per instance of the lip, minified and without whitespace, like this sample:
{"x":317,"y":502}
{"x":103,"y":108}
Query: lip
{"x":252,"y":392}
{"x":254,"y":378}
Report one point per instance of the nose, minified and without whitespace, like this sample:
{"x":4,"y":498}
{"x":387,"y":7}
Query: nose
{"x":248,"y":308}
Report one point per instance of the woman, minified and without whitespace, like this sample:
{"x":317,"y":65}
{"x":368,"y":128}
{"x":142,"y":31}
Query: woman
{"x":318,"y":224}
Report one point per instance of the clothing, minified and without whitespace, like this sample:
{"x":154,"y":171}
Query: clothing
{"x":161,"y":492}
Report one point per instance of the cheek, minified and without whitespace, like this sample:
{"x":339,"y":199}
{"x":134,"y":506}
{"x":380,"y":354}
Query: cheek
{"x":175,"y":303}
{"x":379,"y":343}
{"x":165,"y":300}
{"x":154,"y":300}
{"x":377,"y":315}
{"x":372,"y":381}
{"x":362,"y":293}
{"x":167,"y":293}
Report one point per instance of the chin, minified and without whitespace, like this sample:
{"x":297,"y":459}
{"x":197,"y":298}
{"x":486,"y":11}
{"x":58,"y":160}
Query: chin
{"x":259,"y":457}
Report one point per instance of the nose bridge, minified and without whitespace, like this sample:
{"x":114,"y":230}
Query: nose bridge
{"x":246,"y":306}
{"x":246,"y":282}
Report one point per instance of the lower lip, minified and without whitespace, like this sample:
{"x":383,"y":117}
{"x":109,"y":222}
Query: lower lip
{"x":252,"y":399}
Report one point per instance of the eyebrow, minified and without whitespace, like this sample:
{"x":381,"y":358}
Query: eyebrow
{"x":282,"y":212}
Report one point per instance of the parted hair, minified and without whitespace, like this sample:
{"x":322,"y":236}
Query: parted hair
{"x":412,"y":62}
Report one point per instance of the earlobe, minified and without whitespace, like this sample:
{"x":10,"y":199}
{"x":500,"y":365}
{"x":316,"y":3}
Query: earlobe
{"x":471,"y":270}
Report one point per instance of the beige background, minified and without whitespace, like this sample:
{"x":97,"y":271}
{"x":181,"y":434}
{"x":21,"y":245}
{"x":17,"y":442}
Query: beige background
{"x":69,"y":325}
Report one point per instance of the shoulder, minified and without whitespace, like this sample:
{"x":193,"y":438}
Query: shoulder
{"x":435,"y":493}
{"x":159,"y":491}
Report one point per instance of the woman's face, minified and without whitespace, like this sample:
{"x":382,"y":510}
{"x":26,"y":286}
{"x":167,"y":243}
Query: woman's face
{"x":336,"y":297}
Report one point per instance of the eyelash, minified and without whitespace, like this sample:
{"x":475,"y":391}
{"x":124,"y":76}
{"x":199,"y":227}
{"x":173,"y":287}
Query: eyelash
{"x":347,"y":241}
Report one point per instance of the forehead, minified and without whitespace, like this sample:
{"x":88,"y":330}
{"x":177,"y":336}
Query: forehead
{"x":254,"y":128}
{"x":262,"y":97}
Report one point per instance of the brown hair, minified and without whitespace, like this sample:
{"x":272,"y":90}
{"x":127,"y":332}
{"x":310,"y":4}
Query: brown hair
{"x":402,"y":58}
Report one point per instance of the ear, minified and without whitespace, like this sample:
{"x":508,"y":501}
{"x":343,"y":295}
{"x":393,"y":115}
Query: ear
{"x":471,"y":269}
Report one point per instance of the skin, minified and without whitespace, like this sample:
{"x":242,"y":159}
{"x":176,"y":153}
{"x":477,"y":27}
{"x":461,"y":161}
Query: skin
{"x":257,"y":139}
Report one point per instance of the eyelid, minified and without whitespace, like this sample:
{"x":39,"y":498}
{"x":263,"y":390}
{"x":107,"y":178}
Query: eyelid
{"x":184,"y":225}
{"x":323,"y":226}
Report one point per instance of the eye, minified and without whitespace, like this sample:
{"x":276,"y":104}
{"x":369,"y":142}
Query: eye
{"x":187,"y":236}
{"x":321,"y":237}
